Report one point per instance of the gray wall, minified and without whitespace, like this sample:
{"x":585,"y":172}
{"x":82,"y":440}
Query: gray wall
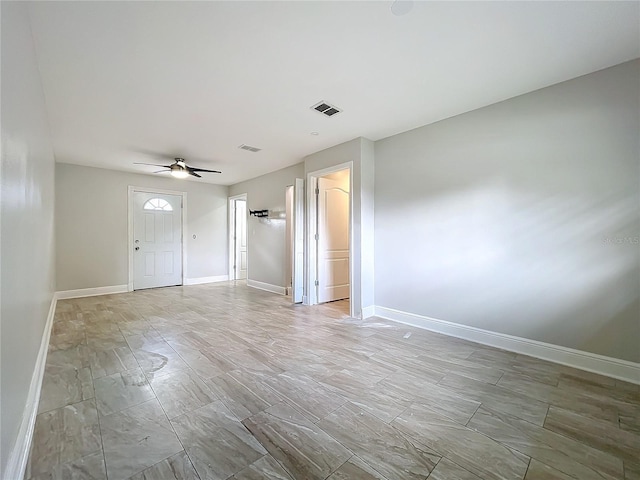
{"x":91,"y":225}
{"x":266,"y":238}
{"x":27,"y":251}
{"x":367,"y":222}
{"x":521,"y":217}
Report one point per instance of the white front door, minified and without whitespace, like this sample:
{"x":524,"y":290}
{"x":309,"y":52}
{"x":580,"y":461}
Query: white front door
{"x":240,"y":216}
{"x":333,"y":240}
{"x":157,"y":240}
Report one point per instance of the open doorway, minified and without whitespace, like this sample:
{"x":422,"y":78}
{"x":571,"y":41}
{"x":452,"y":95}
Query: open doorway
{"x":294,"y":241}
{"x":330,"y":265}
{"x":238,"y":263}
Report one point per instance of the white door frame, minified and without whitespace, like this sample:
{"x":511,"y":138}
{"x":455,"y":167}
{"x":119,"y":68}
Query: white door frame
{"x":290,"y":227}
{"x":311,"y":297}
{"x":232,"y":224}
{"x":297,"y":294}
{"x":132,"y":189}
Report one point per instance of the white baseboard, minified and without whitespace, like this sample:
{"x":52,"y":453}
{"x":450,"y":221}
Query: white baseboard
{"x":591,"y":362}
{"x":201,"y":280}
{"x":266,"y":286}
{"x":18,"y":457}
{"x":369,"y":311}
{"x":91,"y":292}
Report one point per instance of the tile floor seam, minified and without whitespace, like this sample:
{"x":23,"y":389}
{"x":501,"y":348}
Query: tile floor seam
{"x":384,"y":477}
{"x":334,"y":410}
{"x":125,"y":408}
{"x":279,"y":463}
{"x":65,"y":405}
{"x":546,"y":415}
{"x":531,"y":457}
{"x":342,"y":464}
{"x":527,"y":470}
{"x":403,"y":411}
{"x":620,"y":460}
{"x":104,"y":457}
{"x":473,"y":414}
{"x":435,"y":466}
{"x":480,"y":433}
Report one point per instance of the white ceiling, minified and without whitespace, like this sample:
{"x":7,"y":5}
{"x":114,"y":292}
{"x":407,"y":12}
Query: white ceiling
{"x":197,"y":79}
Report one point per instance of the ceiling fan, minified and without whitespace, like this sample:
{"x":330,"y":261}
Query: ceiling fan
{"x":179,"y":168}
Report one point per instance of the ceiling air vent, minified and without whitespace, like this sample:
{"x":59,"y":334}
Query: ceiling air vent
{"x":326,"y":109}
{"x":249,"y":147}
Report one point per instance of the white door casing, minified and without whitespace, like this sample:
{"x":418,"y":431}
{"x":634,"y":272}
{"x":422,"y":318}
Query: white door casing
{"x":310,"y":296}
{"x":289,"y":240}
{"x":157,"y":240}
{"x":333,"y":240}
{"x":240,"y":235}
{"x":298,"y":241}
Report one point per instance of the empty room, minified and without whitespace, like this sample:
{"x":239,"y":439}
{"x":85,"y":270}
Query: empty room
{"x":203,"y":206}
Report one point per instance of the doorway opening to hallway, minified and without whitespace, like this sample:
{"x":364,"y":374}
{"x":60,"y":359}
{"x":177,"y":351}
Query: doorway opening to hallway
{"x":330,"y":239}
{"x":238,"y":258}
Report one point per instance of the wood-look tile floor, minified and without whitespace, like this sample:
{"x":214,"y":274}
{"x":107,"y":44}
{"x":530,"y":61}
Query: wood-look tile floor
{"x":223,"y":381}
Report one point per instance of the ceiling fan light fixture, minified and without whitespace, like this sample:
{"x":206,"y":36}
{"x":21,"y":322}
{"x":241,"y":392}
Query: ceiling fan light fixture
{"x":179,"y":173}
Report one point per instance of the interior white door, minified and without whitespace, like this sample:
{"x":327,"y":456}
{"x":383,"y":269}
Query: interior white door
{"x":333,"y":241}
{"x":298,"y":241}
{"x":240,"y":217}
{"x":157,"y":240}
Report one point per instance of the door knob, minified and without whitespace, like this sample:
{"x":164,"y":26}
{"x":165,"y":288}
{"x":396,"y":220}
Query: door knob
{"x":137,"y":248}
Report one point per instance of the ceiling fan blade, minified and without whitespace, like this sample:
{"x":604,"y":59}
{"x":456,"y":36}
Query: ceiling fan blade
{"x":162,"y":171}
{"x":152,"y":164}
{"x":203,"y":170}
{"x":194,"y":173}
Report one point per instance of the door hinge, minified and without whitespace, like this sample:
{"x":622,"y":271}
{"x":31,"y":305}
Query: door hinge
{"x":317,"y":237}
{"x":317,"y":191}
{"x":317,"y":283}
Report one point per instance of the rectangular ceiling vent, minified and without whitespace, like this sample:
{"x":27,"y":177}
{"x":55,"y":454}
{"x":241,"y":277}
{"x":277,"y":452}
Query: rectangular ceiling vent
{"x":326,"y":109}
{"x":249,"y":148}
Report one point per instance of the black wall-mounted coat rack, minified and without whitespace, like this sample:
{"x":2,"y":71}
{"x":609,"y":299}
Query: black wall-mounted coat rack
{"x":259,"y":213}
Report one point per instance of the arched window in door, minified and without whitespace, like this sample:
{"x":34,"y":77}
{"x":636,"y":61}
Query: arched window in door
{"x":157,"y":204}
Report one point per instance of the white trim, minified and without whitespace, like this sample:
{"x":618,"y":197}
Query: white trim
{"x":266,"y":286}
{"x":369,"y":311}
{"x":312,"y":220}
{"x":160,"y":191}
{"x":201,"y":280}
{"x":232,"y":221}
{"x":591,"y":362}
{"x":92,"y":292}
{"x":298,"y":247}
{"x":18,"y":457}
